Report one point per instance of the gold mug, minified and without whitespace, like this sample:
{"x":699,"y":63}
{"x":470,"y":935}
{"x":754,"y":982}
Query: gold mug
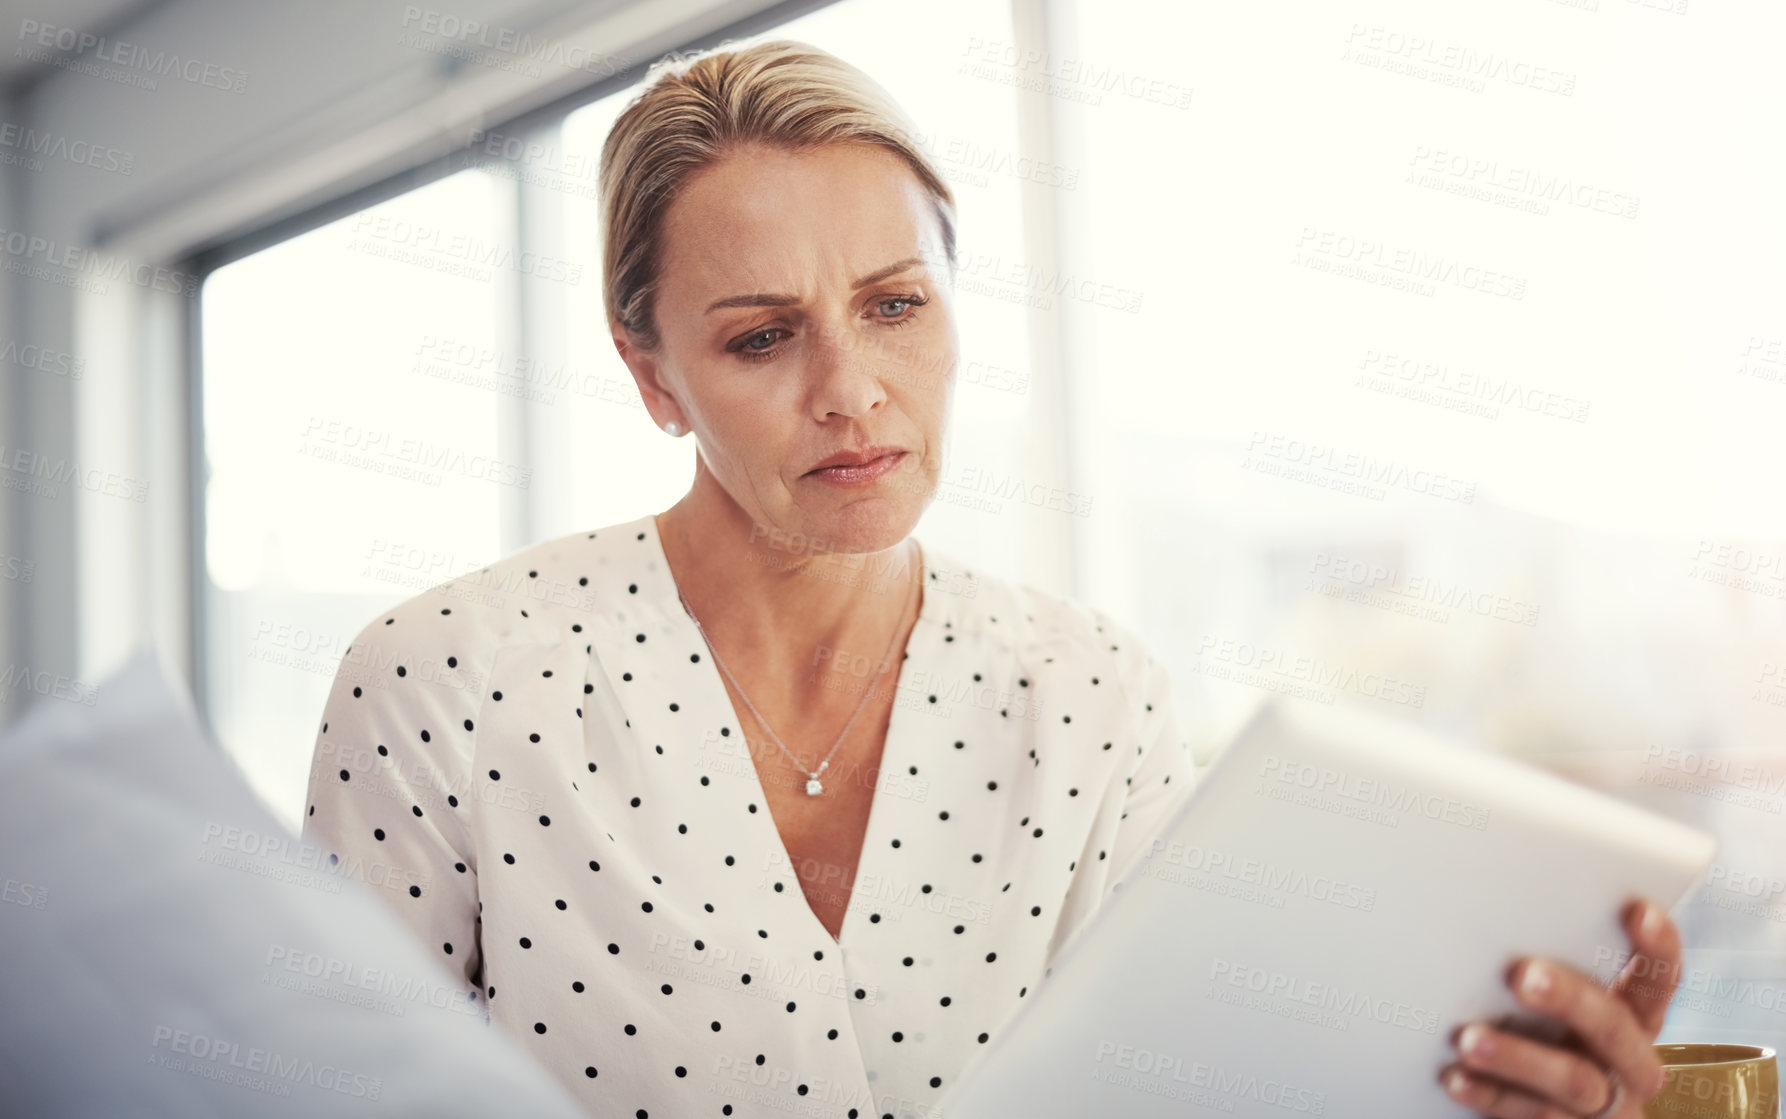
{"x":1713,"y":1080}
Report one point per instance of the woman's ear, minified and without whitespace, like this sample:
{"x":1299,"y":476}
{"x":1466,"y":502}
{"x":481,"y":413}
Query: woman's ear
{"x":647,"y":371}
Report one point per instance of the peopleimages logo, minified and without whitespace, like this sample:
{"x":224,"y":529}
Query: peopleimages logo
{"x":46,"y":42}
{"x":262,"y":1070}
{"x":1206,"y":1085}
{"x":1464,"y":62}
{"x":1362,"y":469}
{"x":1750,"y":784}
{"x":29,"y":140}
{"x":1348,"y":1005}
{"x":30,"y":471}
{"x":1209,"y":862}
{"x":1516,"y":181}
{"x":44,"y":683}
{"x":1334,"y":249}
{"x":76,"y":265}
{"x":344,"y":974}
{"x":1454,"y":386}
{"x":1075,"y":79}
{"x":388,"y":452}
{"x":57,"y":362}
{"x":509,"y":46}
{"x":1296,"y":674}
{"x":1377,"y":584}
{"x":1367,"y":790}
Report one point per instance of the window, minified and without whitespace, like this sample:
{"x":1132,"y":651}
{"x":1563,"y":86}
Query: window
{"x":407,"y":393}
{"x":1450,"y":397}
{"x":1339,"y":374}
{"x":346,"y":468}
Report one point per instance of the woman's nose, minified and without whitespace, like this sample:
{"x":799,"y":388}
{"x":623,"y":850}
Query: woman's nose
{"x":846,"y":377}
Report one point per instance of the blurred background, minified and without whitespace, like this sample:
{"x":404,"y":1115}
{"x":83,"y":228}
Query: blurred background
{"x":1427,"y":359}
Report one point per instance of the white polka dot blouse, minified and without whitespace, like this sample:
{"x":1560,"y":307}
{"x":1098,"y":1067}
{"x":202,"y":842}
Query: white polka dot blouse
{"x":539,"y":768}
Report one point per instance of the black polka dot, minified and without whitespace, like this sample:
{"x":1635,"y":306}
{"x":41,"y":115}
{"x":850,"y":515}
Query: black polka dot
{"x":1051,"y":662}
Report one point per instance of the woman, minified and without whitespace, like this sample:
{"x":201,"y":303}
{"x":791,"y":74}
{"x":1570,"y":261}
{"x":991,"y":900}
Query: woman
{"x":755,"y":804}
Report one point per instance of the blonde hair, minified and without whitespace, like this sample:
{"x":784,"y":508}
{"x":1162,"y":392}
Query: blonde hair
{"x":693,"y":109}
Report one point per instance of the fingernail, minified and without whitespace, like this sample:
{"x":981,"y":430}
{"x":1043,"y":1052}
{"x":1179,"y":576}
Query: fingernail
{"x":1652,"y":921}
{"x":1455,"y":1083}
{"x":1536,"y":980}
{"x":1474,"y":1040}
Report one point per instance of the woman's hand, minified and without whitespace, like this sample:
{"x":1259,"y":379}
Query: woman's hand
{"x":1507,"y":1076}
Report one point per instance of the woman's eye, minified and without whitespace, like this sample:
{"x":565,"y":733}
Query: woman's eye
{"x":904,"y":309}
{"x":761,"y":345}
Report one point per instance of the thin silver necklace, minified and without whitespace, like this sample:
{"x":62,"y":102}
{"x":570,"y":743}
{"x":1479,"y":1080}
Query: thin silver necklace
{"x":813,"y":785}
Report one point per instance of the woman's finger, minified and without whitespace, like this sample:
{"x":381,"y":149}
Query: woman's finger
{"x":1498,"y":1100}
{"x":1566,"y":1078}
{"x":1603,"y":1021}
{"x":1649,"y":979}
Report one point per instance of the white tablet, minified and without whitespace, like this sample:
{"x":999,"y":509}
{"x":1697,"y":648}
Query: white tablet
{"x":1339,"y":892}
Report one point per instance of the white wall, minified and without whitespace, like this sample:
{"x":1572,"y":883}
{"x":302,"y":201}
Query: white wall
{"x":11,"y":409}
{"x":334,"y":97}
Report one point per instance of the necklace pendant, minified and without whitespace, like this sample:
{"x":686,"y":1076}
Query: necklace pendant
{"x":813,"y":788}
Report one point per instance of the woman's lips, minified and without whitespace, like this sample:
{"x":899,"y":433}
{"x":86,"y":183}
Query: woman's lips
{"x":859,"y":475}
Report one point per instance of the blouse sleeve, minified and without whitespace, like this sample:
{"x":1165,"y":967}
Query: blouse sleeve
{"x":1163,"y":772}
{"x":390,"y":794}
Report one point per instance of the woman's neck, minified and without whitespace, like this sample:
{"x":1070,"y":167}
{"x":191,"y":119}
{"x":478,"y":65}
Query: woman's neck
{"x":781,"y":610}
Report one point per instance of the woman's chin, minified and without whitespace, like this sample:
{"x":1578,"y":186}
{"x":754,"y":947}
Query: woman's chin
{"x":864,"y":525}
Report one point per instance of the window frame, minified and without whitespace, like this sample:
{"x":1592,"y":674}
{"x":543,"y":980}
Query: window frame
{"x":1034,"y":22}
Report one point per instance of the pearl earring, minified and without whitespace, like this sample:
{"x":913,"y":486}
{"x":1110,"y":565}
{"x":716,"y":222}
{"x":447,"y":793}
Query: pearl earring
{"x":673,"y":428}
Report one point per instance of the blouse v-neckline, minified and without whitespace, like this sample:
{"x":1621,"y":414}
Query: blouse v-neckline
{"x":894,"y":748}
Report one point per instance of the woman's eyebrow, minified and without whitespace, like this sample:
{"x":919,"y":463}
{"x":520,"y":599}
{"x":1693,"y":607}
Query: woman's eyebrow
{"x":764,"y":299}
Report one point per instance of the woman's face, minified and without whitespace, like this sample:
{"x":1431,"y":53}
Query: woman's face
{"x":808,"y":340}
